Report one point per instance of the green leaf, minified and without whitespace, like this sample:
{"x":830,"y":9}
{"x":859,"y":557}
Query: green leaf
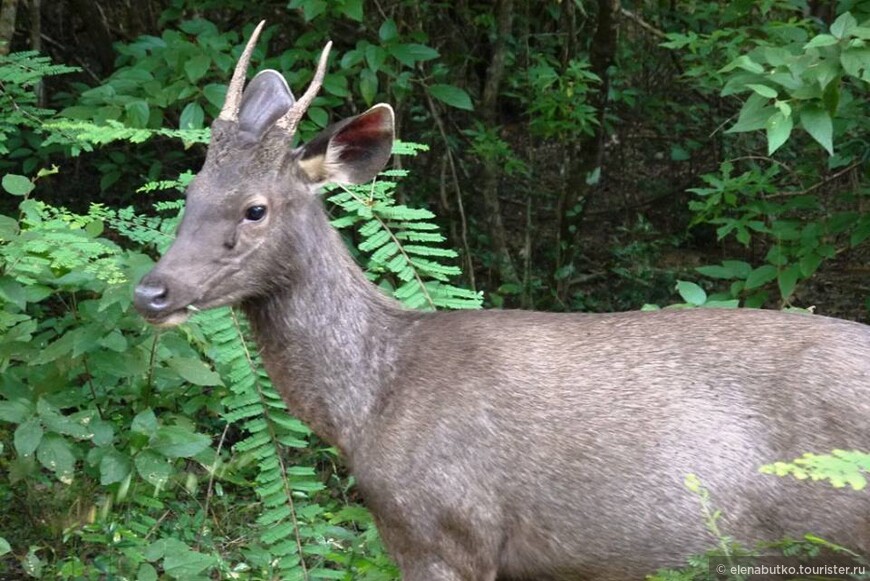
{"x":196,"y":67}
{"x":856,"y":62}
{"x":375,"y":57}
{"x":761,"y":276}
{"x":764,"y":91}
{"x":691,"y":293}
{"x":178,"y":442}
{"x":145,"y":422}
{"x":368,"y":85}
{"x":215,"y":94}
{"x":409,"y":54}
{"x":818,"y":124}
{"x":787,"y":280}
{"x":55,"y":453}
{"x":778,"y":131}
{"x":138,"y":113}
{"x":153,"y":467}
{"x":821,"y":40}
{"x":114,"y":467}
{"x":844,"y":25}
{"x":28,"y":436}
{"x":743,"y":62}
{"x":194,"y":371}
{"x":452,"y":95}
{"x":353,"y":9}
{"x":4,"y":546}
{"x":716,"y":271}
{"x":192,"y":117}
{"x":311,"y":9}
{"x":17,"y":185}
{"x":388,"y":30}
{"x":15,"y":411}
{"x":753,"y":115}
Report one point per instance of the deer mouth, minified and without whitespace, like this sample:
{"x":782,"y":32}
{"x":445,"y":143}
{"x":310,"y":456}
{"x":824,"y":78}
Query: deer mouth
{"x":168,"y":320}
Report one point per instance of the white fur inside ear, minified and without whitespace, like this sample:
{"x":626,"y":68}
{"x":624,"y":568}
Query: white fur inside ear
{"x":321,"y":169}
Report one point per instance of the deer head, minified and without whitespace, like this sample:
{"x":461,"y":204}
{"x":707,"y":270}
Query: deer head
{"x":250,"y":201}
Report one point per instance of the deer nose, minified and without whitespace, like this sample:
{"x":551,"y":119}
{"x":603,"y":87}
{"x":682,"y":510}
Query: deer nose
{"x":150,"y":297}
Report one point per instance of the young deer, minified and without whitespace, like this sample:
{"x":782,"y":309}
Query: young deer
{"x":508,"y":444}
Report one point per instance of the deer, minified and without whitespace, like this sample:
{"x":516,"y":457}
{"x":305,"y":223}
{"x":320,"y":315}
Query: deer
{"x":507,"y":444}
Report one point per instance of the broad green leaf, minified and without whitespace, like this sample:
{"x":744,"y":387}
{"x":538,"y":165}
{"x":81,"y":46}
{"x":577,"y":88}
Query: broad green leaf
{"x":138,"y":113}
{"x":319,"y":116}
{"x":17,"y":185}
{"x":55,"y":453}
{"x":410,"y":54}
{"x":147,"y":572}
{"x":761,"y":276}
{"x":388,"y":30}
{"x":368,"y":85}
{"x":178,"y":442}
{"x":353,"y":9}
{"x":185,"y":563}
{"x":4,"y":546}
{"x":196,"y":67}
{"x":764,"y":91}
{"x":192,"y":117}
{"x":691,"y":293}
{"x":844,"y":25}
{"x":743,"y":62}
{"x":821,"y":40}
{"x":787,"y":280}
{"x":153,"y":467}
{"x":145,"y":422}
{"x":194,"y":371}
{"x":28,"y":436}
{"x":778,"y":131}
{"x":114,"y":467}
{"x":753,"y":115}
{"x":15,"y":411}
{"x":856,"y":62}
{"x":817,"y":123}
{"x":375,"y":57}
{"x":311,"y":9}
{"x":215,"y":94}
{"x":452,"y":95}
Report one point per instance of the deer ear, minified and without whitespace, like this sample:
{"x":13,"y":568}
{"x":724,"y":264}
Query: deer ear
{"x":352,"y":151}
{"x":265,"y":100}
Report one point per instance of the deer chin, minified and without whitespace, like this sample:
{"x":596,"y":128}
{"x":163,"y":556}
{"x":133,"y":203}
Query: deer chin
{"x":172,"y":319}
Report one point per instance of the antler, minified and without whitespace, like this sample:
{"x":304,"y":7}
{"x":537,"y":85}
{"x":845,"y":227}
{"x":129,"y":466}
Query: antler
{"x":230,"y":110}
{"x":291,"y":119}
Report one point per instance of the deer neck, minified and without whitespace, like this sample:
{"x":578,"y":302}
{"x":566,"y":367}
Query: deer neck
{"x":327,"y":335}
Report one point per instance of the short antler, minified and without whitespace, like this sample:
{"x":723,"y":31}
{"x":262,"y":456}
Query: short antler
{"x":291,"y":119}
{"x":230,"y":111}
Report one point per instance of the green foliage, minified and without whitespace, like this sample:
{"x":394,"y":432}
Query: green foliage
{"x":793,"y":80}
{"x":561,"y":107}
{"x":20,"y":114}
{"x":840,"y":468}
{"x":748,"y":205}
{"x":403,"y":245}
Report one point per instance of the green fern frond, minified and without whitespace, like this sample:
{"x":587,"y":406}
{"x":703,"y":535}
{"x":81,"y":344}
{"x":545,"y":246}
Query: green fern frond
{"x":403,"y":247}
{"x":85,"y":135}
{"x":840,"y":468}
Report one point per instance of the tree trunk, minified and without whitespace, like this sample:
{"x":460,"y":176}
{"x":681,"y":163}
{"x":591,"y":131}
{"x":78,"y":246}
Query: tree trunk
{"x":589,"y":155}
{"x":491,"y":170}
{"x":7,"y":24}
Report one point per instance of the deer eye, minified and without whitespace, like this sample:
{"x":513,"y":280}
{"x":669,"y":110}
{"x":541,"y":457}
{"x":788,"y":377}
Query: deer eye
{"x":255,"y":213}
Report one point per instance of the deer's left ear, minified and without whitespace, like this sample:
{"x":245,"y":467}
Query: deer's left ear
{"x":352,"y":151}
